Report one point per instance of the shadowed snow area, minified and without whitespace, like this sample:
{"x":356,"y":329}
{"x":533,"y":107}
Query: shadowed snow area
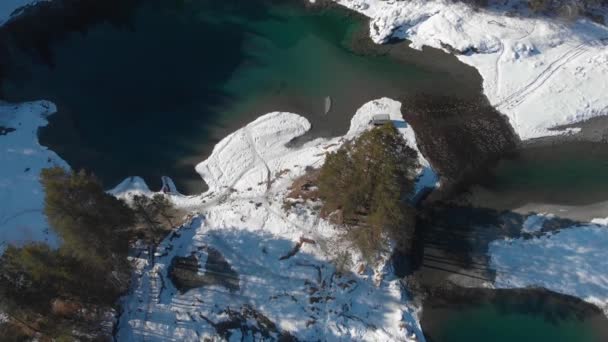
{"x":21,"y":160}
{"x":242,"y":217}
{"x":303,"y":296}
{"x":540,"y":72}
{"x":534,"y":223}
{"x":10,"y":7}
{"x":571,"y":261}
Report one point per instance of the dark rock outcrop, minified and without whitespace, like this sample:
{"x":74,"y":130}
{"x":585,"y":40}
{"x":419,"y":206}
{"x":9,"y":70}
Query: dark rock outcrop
{"x":183,"y":272}
{"x":249,"y":322}
{"x":6,"y":130}
{"x":186,"y":273}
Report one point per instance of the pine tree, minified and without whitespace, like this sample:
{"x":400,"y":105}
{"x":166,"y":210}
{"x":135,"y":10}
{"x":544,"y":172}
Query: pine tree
{"x":89,"y":270}
{"x":93,"y":225}
{"x":368,"y":180}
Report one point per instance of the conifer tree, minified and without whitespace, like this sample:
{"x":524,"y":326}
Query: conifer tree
{"x":369,"y":181}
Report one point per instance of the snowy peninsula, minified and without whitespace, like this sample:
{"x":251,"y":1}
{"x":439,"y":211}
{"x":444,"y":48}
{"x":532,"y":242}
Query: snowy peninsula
{"x":541,"y":72}
{"x":243,"y":219}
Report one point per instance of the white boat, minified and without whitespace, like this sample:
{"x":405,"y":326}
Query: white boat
{"x":327,"y":104}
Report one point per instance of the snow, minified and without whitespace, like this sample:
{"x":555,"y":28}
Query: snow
{"x":571,"y":261}
{"x":534,"y":223}
{"x":540,"y":72}
{"x":8,"y":8}
{"x":3,"y":317}
{"x":21,"y":160}
{"x":242,"y":217}
{"x":131,"y":186}
{"x":600,"y":221}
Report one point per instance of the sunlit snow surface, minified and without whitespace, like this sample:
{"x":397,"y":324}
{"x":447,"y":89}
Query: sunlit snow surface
{"x":534,"y":223}
{"x":21,"y":160}
{"x":540,"y":72}
{"x":571,"y":261}
{"x":242,"y":217}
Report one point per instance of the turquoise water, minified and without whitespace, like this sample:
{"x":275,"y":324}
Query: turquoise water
{"x":152,"y":96}
{"x":513,"y":315}
{"x":574,"y":173}
{"x":487,"y":323}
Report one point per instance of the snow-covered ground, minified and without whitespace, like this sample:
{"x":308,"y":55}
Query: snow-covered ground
{"x":534,"y":223}
{"x":8,"y":8}
{"x":242,"y":217}
{"x":571,"y":261}
{"x":540,"y":72}
{"x":21,"y":160}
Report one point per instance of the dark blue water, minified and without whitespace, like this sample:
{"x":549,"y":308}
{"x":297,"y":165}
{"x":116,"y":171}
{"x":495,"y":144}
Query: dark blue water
{"x":153,"y":95}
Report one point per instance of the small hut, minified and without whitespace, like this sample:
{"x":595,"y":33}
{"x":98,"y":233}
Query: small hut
{"x":380,"y":119}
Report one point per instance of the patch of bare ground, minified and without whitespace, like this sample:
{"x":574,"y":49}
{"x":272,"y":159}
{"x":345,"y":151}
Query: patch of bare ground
{"x":297,"y":247}
{"x":249,"y":322}
{"x":156,"y":217}
{"x":303,"y":189}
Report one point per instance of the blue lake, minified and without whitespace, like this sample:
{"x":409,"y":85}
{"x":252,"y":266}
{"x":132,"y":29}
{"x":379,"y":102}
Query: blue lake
{"x":152,"y":95}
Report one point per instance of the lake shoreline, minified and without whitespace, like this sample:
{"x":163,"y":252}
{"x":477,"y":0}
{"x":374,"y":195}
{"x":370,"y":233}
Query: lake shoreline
{"x":561,"y":175}
{"x":65,"y":132}
{"x":447,"y":305}
{"x":425,"y":132}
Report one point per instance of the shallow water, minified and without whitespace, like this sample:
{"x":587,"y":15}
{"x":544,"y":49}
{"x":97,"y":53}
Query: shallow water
{"x":574,"y":173}
{"x":513,"y":315}
{"x":152,"y":97}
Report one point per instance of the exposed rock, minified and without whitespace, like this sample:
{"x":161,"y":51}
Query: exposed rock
{"x":249,"y":322}
{"x":6,"y":130}
{"x":297,"y":247}
{"x":186,"y":273}
{"x":466,"y":51}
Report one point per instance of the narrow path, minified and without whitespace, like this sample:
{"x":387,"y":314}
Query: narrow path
{"x":517,"y":97}
{"x":497,"y":68}
{"x":258,"y":157}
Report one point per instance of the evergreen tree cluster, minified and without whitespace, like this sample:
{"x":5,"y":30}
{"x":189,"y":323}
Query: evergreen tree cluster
{"x":367,"y":183}
{"x":155,"y":216}
{"x":45,"y":290}
{"x":94,"y":226}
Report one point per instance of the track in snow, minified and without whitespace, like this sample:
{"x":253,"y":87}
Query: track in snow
{"x":519,"y":96}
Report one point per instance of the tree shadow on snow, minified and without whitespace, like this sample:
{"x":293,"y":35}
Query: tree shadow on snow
{"x":301,"y":297}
